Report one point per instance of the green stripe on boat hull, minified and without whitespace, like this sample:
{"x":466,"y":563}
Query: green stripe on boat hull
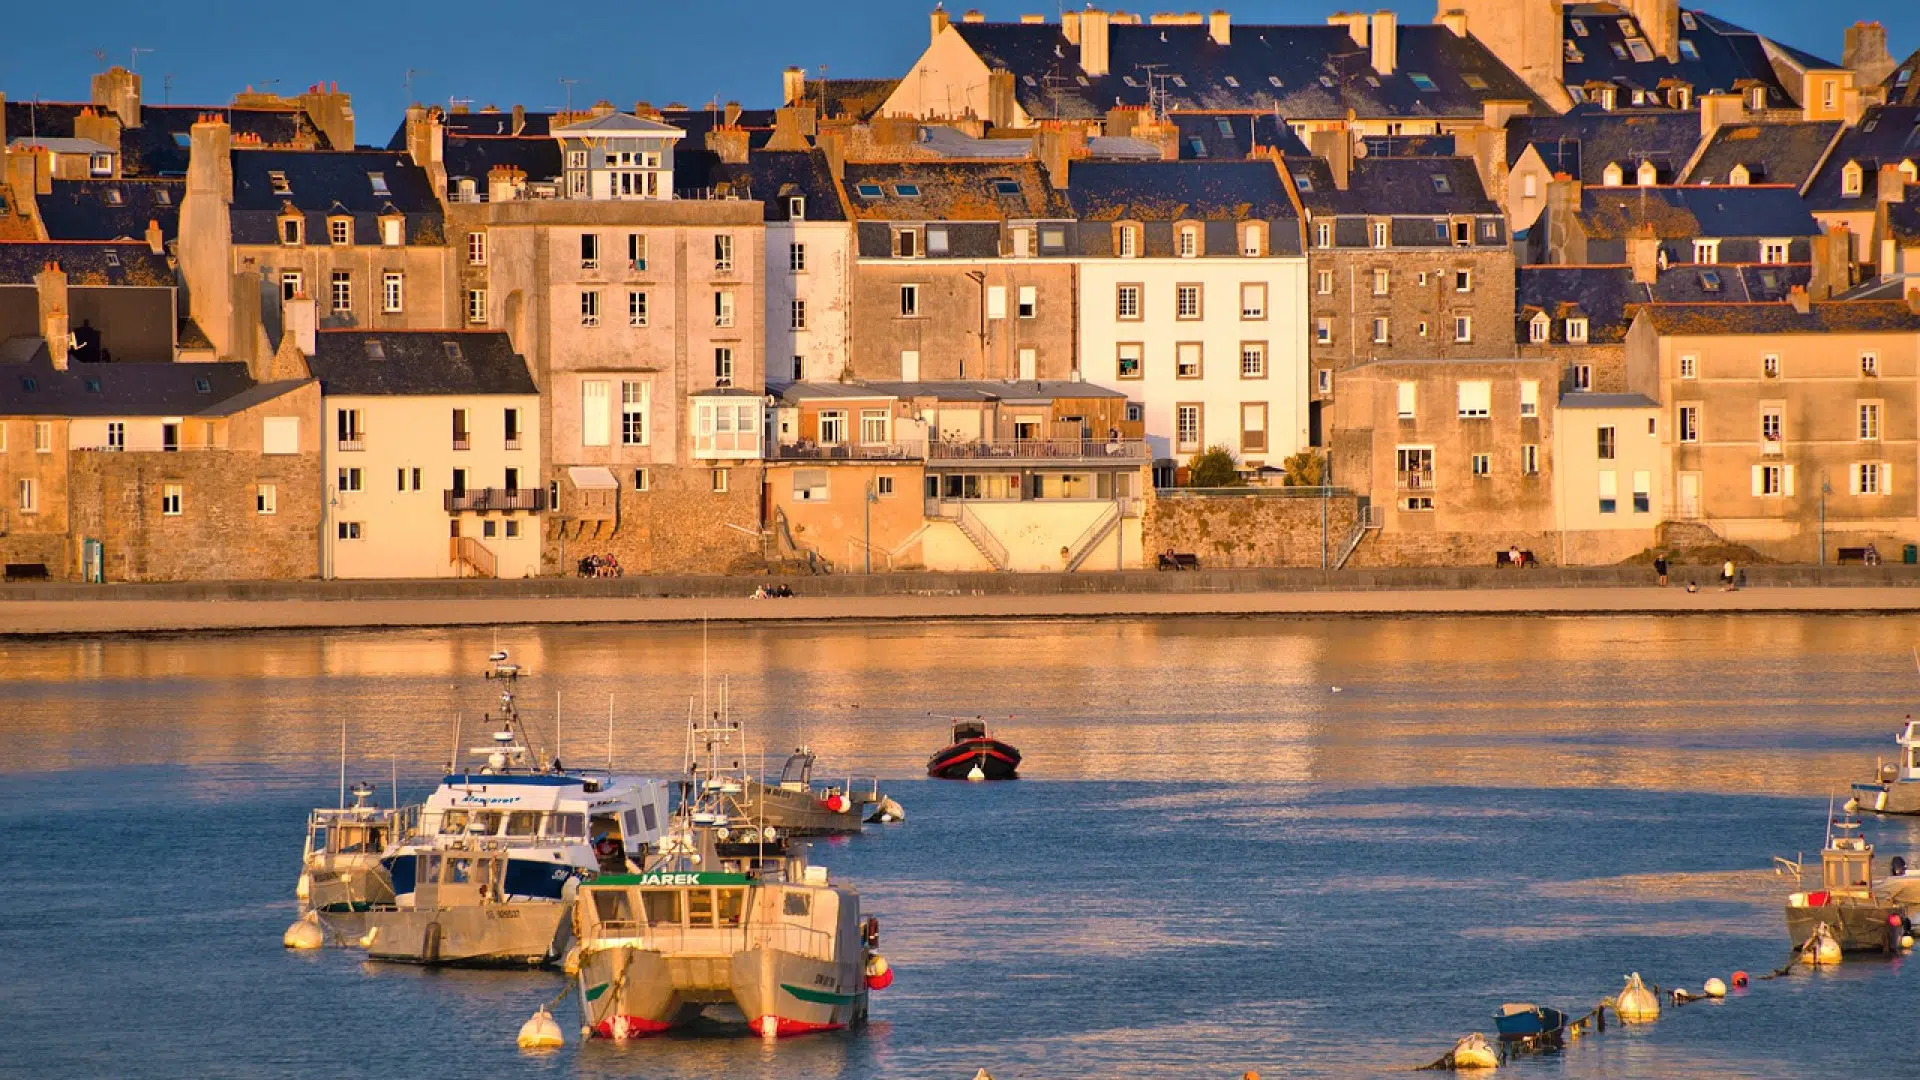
{"x":817,"y":997}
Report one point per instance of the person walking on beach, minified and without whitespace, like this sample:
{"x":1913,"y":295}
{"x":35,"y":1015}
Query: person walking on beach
{"x":1660,"y":568}
{"x":1726,"y":576}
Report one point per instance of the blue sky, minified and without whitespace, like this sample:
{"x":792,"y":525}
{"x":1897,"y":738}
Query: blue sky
{"x":516,"y":51}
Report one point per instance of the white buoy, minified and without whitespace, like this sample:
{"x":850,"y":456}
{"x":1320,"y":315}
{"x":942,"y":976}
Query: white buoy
{"x":1336,"y":689}
{"x":1851,"y":806}
{"x":541,"y":1032}
{"x":1821,"y":950}
{"x":1472,"y":1052}
{"x":571,"y":965}
{"x":303,"y":887}
{"x":976,"y":773}
{"x":769,"y":1026}
{"x":1636,"y":1004}
{"x":305,"y":933}
{"x":1716,"y":989}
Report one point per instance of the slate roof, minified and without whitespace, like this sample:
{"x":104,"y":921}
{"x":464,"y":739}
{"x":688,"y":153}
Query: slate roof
{"x":119,"y":389}
{"x":110,"y":209}
{"x":1321,"y":72}
{"x":418,"y":363}
{"x":1725,"y":54}
{"x":1837,"y":316}
{"x":1772,"y":153}
{"x":159,"y":146}
{"x":772,"y":176}
{"x":474,"y":156}
{"x":953,"y":191}
{"x":1608,"y":296}
{"x":1903,"y":82}
{"x":323,"y":183}
{"x":1178,"y":190}
{"x":87,"y":264}
{"x":1233,"y":137}
{"x":1585,"y":139}
{"x":1409,"y":186}
{"x":856,"y":98}
{"x":1678,"y":213}
{"x":1886,"y":135}
{"x":1903,"y":219}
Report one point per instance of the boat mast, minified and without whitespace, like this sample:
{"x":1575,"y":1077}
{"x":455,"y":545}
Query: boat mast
{"x":343,"y":762}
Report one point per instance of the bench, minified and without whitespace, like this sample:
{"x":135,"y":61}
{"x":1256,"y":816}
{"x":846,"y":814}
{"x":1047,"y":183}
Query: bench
{"x":1179,"y":560}
{"x":1504,"y":558}
{"x":26,"y":571}
{"x":1857,"y":554}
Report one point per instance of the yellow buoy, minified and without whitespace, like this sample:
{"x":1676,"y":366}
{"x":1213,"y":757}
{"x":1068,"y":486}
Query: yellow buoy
{"x":1906,"y":941}
{"x":1636,"y":1004}
{"x":540,"y":1032}
{"x":572,"y":963}
{"x":1716,"y":989}
{"x":304,"y":887}
{"x":976,"y":773}
{"x":1821,"y":950}
{"x":305,"y":933}
{"x":1473,"y":1052}
{"x":367,"y":939}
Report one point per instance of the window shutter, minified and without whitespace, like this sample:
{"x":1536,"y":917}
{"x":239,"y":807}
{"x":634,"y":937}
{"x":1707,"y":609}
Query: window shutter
{"x":1757,"y":479}
{"x":1886,"y":479}
{"x":1853,"y":479}
{"x":1786,"y":480}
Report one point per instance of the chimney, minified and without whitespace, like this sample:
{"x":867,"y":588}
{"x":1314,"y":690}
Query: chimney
{"x":1660,"y":21}
{"x":728,"y":143}
{"x":1337,"y":148}
{"x":793,"y":86}
{"x":331,"y":111}
{"x":504,"y":183}
{"x":1797,"y":296}
{"x":1386,"y":41}
{"x":732,"y":114}
{"x":1000,"y":97}
{"x":1913,"y":301}
{"x":297,"y":320}
{"x":1643,"y":255}
{"x":1866,"y":55}
{"x":1093,"y":42}
{"x":832,"y":143}
{"x":210,"y":157}
{"x":1454,"y":20}
{"x":155,"y":242}
{"x":793,"y":125}
{"x":426,"y":145}
{"x":1354,"y":21}
{"x":1716,"y":110}
{"x":519,"y":119}
{"x":1220,"y":28}
{"x":1832,"y":262}
{"x":1069,"y":25}
{"x":1893,"y":185}
{"x":1055,"y":146}
{"x":1033,"y":20}
{"x":103,"y":128}
{"x":119,"y":90}
{"x":938,"y":21}
{"x":972,"y":15}
{"x":51,"y":285}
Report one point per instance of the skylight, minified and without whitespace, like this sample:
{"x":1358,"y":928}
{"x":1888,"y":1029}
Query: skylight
{"x":379,"y":182}
{"x":1180,"y":81}
{"x":1442,"y":184}
{"x":1130,"y":81}
{"x":182,"y":139}
{"x":1005,"y":186}
{"x":1274,"y":80}
{"x":29,"y":383}
{"x":868,"y":191}
{"x":1473,"y":81}
{"x":375,"y":350}
{"x":1710,"y":280}
{"x":1373,"y":81}
{"x":1579,"y":27}
{"x":163,"y":197}
{"x":1199,"y":148}
{"x":114,"y":198}
{"x":1303,"y":181}
{"x":1641,"y":52}
{"x":1619,"y":50}
{"x":1233,"y":82}
{"x":203,"y":385}
{"x":1326,"y":82}
{"x":1225,"y":125}
{"x":278,"y":181}
{"x":453,"y":351}
{"x":907,"y":191}
{"x":113,"y":257}
{"x":1686,"y":20}
{"x":1420,"y":80}
{"x":93,"y":386}
{"x":1687,"y":50}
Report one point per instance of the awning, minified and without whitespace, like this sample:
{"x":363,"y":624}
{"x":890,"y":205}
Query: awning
{"x":592,"y":478}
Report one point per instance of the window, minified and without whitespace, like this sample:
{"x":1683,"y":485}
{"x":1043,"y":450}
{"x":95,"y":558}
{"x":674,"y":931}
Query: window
{"x":1688,"y":423}
{"x":392,"y":292}
{"x":342,"y":291}
{"x":1537,"y":328}
{"x":636,"y":308}
{"x":1609,"y":491}
{"x":1414,"y":466}
{"x":1689,"y":366}
{"x":1770,"y":366}
{"x":390,"y":231}
{"x":1126,"y":302}
{"x":796,"y":258}
{"x":1577,"y":331}
{"x":477,"y":248}
{"x":639,"y":479}
{"x":347,"y":530}
{"x":1770,"y":481}
{"x":290,"y":284}
{"x":1476,"y":399}
{"x":1250,"y":242}
{"x":1253,"y":300}
{"x":1003,"y":185}
{"x":909,"y":301}
{"x":1323,"y":234}
{"x":636,"y":252}
{"x":349,"y":480}
{"x":1253,"y":427}
{"x":1186,"y":427}
{"x":1323,"y":379}
{"x":633,"y":412}
{"x":29,"y":496}
{"x":1129,"y":241}
{"x":1869,"y":478}
{"x":1382,"y":280}
{"x":833,"y":427}
{"x":720,"y":481}
{"x":1186,"y":360}
{"x":1642,"y":492}
{"x":1706,"y":251}
{"x":796,"y":208}
{"x":171,"y":496}
{"x":907,"y":191}
{"x":798,"y":315}
{"x":869,"y":191}
{"x":722,"y":256}
{"x":1463,"y":328}
{"x":1869,"y":365}
{"x":1404,"y":397}
{"x":1530,"y":459}
{"x":1253,"y":359}
{"x":723,"y":365}
{"x":594,"y":419}
{"x":510,"y":428}
{"x":1482,"y":464}
{"x":589,"y":251}
{"x":1053,"y":240}
{"x":1380,"y":329}
{"x":1583,"y":377}
{"x":1189,"y":245}
{"x":1186,"y":302}
{"x":1770,"y":420}
{"x":1869,"y":421}
{"x":1029,"y":301}
{"x":1128,"y":359}
{"x":1323,"y":331}
{"x":723,"y":308}
{"x":589,"y":307}
{"x":1381,"y":235}
{"x":1323,"y":282}
{"x":1774,"y":252}
{"x":352,"y":436}
{"x":340,"y":230}
{"x":476,"y":305}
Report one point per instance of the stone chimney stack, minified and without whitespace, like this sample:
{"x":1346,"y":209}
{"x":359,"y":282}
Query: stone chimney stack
{"x":1069,"y":25}
{"x":1337,"y":148}
{"x":1913,"y":301}
{"x":1093,"y":41}
{"x":1386,"y":41}
{"x":331,"y":111}
{"x":504,"y":183}
{"x":1354,"y":21}
{"x":1643,"y":255}
{"x":205,"y":243}
{"x":519,"y":119}
{"x":1797,"y":296}
{"x":156,"y":243}
{"x":1716,"y":110}
{"x":1660,"y":22}
{"x":1832,"y":262}
{"x":1220,"y":28}
{"x":1455,"y":21}
{"x":427,"y":145}
{"x":1892,"y":187}
{"x":793,"y":86}
{"x":728,"y":143}
{"x":793,"y":125}
{"x":298,"y":321}
{"x":119,"y":90}
{"x":51,"y":285}
{"x":1866,"y":55}
{"x":1055,"y":146}
{"x":938,"y":22}
{"x":103,"y":127}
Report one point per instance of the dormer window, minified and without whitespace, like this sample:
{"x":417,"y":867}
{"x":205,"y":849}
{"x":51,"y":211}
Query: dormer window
{"x":1381,"y":234}
{"x":391,"y":231}
{"x":1706,"y":251}
{"x":1757,"y":98}
{"x":1852,"y":180}
{"x":1538,"y":327}
{"x":379,"y":182}
{"x":1250,"y":242}
{"x":1649,"y":175}
{"x":1577,"y":330}
{"x":1613,"y":175}
{"x":797,"y":208}
{"x":101,"y":165}
{"x":1740,"y":176}
{"x":1129,"y":241}
{"x":1189,"y":241}
{"x":340,"y":231}
{"x":291,"y":230}
{"x":1608,"y":95}
{"x":278,"y":182}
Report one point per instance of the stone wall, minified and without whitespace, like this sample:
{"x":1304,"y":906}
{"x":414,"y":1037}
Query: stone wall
{"x":1464,"y":549}
{"x":679,"y":525}
{"x":1250,"y":530}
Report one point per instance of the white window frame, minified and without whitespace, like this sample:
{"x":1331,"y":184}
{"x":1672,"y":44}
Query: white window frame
{"x":1529,"y":398}
{"x":636,"y":307}
{"x":476,"y":306}
{"x":636,"y":398}
{"x":393,"y":292}
{"x":589,"y":307}
{"x":477,"y":248}
{"x":1256,"y":292}
{"x":173,"y":500}
{"x":796,"y":258}
{"x":596,"y":421}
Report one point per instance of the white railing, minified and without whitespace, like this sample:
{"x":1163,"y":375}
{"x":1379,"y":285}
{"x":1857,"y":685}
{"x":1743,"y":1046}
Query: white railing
{"x":1096,"y":532}
{"x":982,"y":537}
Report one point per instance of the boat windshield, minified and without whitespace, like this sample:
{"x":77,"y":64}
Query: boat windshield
{"x":969,"y":729}
{"x":523,"y":823}
{"x":357,"y":839}
{"x":798,"y":769}
{"x":1847,"y":870}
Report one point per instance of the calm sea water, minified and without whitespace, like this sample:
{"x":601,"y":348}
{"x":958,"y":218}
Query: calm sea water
{"x":1215,"y":862}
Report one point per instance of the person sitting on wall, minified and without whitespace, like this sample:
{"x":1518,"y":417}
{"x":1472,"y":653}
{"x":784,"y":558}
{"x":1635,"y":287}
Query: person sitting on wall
{"x":1872,"y":556}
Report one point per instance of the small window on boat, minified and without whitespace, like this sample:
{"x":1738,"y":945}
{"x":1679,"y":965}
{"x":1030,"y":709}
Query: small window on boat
{"x":648,"y":817}
{"x":663,"y":906}
{"x":485,"y":823}
{"x":523,"y":823}
{"x":576,"y":825}
{"x":612,"y":905}
{"x":699,"y":907}
{"x":796,"y":903}
{"x":459,"y":871}
{"x":732,"y":903}
{"x":453,"y":821}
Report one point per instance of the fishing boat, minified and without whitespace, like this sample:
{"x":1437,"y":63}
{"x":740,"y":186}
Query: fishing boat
{"x":487,"y":871}
{"x":1860,"y":915}
{"x":340,"y":868}
{"x":973,"y":755}
{"x":795,"y":805}
{"x":1530,"y":1026}
{"x":727,"y":926}
{"x":1895,"y":787}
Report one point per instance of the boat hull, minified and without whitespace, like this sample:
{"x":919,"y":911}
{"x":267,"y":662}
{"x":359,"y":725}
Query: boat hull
{"x":629,"y":992}
{"x":995,"y":759}
{"x":342,"y":883}
{"x":799,"y":813}
{"x":530,"y":934}
{"x":1896,"y":797}
{"x":1859,"y":928}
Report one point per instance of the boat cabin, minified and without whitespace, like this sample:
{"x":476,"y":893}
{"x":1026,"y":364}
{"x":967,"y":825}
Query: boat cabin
{"x":458,"y":878}
{"x":797,"y":773}
{"x":966,"y":730}
{"x":1848,"y":871}
{"x":717,"y":914}
{"x":1907,"y":768}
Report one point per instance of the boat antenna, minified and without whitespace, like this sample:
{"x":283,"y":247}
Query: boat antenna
{"x":556,"y":725}
{"x":609,"y":737}
{"x":393,"y":762}
{"x":703,"y":665}
{"x":453,"y":761}
{"x":343,"y":762}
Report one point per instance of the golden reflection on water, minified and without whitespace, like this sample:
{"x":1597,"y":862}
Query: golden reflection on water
{"x":1790,"y":705}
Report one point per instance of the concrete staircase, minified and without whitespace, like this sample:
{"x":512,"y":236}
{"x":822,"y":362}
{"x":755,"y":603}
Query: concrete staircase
{"x":1370,"y":520}
{"x":1101,"y":528}
{"x":976,"y":530}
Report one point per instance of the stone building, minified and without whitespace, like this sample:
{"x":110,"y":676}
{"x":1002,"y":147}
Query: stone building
{"x":112,"y":301}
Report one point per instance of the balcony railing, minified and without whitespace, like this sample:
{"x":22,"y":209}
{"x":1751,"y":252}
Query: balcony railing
{"x":1041,"y":449}
{"x":355,"y":443}
{"x":503,"y":499}
{"x":462,"y":442}
{"x":1416,"y":481}
{"x":849,"y":452}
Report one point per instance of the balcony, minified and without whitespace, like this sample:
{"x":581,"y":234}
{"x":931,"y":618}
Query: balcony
{"x":355,"y":443}
{"x":1416,"y":480}
{"x":462,"y":442}
{"x":1023,"y":450}
{"x":810,"y":451}
{"x":484,"y":500}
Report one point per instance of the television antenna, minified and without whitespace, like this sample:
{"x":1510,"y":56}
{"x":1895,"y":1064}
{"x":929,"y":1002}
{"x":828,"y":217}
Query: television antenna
{"x":166,"y":88}
{"x":568,"y":83}
{"x":411,"y":72}
{"x":1156,"y":90}
{"x":133,"y":60}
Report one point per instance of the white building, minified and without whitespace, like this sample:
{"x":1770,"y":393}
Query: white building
{"x":430,"y":455}
{"x":1193,"y":301}
{"x":618,"y":156}
{"x":809,"y":264}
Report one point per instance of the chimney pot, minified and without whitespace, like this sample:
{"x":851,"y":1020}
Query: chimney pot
{"x":1220,"y":28}
{"x":1386,"y":41}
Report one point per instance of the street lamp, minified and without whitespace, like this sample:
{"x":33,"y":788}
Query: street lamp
{"x":867,"y":506}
